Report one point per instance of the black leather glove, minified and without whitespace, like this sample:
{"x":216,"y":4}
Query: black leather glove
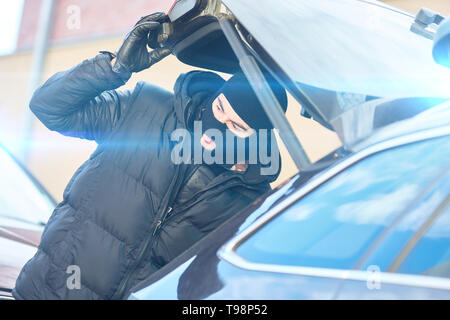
{"x":133,"y":55}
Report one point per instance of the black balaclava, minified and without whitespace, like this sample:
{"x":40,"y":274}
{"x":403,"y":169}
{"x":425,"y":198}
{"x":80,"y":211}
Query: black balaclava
{"x":243,"y":100}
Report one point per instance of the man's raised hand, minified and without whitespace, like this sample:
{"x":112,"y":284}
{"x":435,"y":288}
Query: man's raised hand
{"x":133,"y":55}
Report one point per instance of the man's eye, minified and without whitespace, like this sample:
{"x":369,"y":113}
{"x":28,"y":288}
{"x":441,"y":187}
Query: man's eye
{"x":235,"y":126}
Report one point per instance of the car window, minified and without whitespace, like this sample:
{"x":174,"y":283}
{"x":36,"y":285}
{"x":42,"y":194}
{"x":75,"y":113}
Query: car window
{"x":20,"y":198}
{"x":334,"y":224}
{"x":387,"y":254}
{"x":431,"y":255}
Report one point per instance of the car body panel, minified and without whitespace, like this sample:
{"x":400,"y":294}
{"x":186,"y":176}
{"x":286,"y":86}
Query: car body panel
{"x":197,"y":279}
{"x":237,"y":283}
{"x":372,"y":289}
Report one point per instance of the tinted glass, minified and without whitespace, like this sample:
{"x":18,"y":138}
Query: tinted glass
{"x":431,"y":256}
{"x":333,"y":225}
{"x":384,"y":254}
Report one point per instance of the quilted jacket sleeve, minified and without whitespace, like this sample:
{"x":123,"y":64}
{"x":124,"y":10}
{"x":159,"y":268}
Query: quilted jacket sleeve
{"x":82,"y":102}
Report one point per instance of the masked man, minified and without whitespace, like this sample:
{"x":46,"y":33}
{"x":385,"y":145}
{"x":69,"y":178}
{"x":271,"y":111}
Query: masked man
{"x":132,"y":206}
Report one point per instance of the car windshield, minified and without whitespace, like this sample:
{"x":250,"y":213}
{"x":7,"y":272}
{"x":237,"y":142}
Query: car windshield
{"x":349,"y":52}
{"x":20,"y":198}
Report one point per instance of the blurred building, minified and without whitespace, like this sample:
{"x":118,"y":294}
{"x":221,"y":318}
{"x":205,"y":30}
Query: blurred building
{"x":81,"y":28}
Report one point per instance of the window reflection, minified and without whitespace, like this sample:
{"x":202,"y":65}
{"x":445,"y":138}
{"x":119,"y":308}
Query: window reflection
{"x":431,"y":256}
{"x":333,"y":225}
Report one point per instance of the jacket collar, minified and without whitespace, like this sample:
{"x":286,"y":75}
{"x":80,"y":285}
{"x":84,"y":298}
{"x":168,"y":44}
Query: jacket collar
{"x":192,"y":89}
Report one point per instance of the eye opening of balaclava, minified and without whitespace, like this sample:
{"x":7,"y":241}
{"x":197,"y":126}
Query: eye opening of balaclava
{"x":243,"y":100}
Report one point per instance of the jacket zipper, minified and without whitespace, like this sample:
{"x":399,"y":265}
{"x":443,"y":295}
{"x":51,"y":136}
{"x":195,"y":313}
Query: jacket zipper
{"x":160,"y":221}
{"x":144,"y":248}
{"x":167,"y":210}
{"x":171,"y":214}
{"x":188,"y":205}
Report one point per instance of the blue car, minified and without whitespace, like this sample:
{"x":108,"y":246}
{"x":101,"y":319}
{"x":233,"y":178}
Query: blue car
{"x":372,"y":219}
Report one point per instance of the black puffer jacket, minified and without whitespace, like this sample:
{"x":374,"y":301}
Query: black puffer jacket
{"x":128,"y":209}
